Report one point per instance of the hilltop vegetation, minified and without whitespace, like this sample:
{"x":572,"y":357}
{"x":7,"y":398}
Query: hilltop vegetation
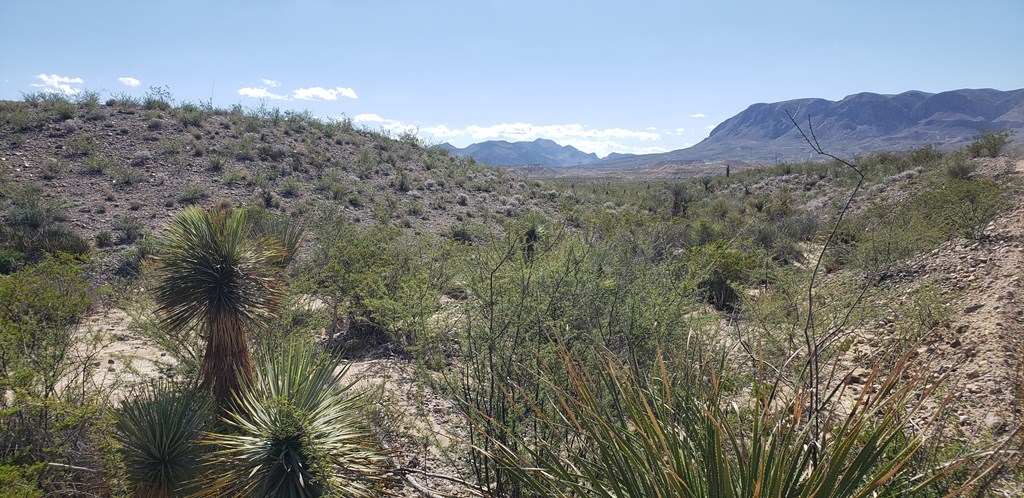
{"x":710,"y":336}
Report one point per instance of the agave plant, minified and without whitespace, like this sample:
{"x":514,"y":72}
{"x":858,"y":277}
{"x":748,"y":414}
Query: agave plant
{"x":295,"y":431}
{"x":158,"y":432}
{"x":216,"y":274}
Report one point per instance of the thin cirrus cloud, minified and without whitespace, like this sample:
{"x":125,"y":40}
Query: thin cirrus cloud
{"x":129,"y":81}
{"x":698,"y":115}
{"x":53,"y":83}
{"x":270,"y":83}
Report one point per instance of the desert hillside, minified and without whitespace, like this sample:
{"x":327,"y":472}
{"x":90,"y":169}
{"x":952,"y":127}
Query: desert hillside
{"x":399,"y":320}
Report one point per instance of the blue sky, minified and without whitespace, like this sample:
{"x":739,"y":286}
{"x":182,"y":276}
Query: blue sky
{"x":602,"y":76}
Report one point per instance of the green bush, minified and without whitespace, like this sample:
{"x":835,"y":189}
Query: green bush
{"x":192,"y":194}
{"x":158,"y":98}
{"x":989,"y":144}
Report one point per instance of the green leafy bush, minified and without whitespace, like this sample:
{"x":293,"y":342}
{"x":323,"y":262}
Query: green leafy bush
{"x":989,"y":144}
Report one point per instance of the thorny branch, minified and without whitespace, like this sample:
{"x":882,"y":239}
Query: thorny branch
{"x":812,"y":367}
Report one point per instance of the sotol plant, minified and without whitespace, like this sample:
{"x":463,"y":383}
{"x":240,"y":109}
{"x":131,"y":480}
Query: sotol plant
{"x":158,"y":432}
{"x":295,"y":431}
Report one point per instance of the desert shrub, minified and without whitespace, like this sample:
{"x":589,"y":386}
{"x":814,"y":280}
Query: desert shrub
{"x":104,"y":239}
{"x":367,"y":161}
{"x":10,"y":260}
{"x":215,"y":163}
{"x":192,"y":194}
{"x":19,"y":117}
{"x":377,"y":277}
{"x":52,"y":168}
{"x":60,"y":107}
{"x":723,"y":270}
{"x":129,"y":228}
{"x":957,"y":167}
{"x":963,"y":207}
{"x":291,"y":187}
{"x":925,"y":156}
{"x":191,"y":115}
{"x":158,"y":99}
{"x":124,"y":175}
{"x":81,"y":145}
{"x":171,"y":146}
{"x":54,"y":239}
{"x":233,"y":176}
{"x":97,"y":164}
{"x":124,"y":100}
{"x":244,"y":149}
{"x":52,"y":415}
{"x":989,"y":144}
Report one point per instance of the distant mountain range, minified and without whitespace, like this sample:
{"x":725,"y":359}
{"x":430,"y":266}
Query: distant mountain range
{"x":857,"y":124}
{"x":538,"y":152}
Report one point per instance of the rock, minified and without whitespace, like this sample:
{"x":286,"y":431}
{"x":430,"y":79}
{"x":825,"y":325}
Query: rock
{"x":996,"y":423}
{"x":858,"y":376}
{"x":971,"y":309}
{"x":110,"y":361}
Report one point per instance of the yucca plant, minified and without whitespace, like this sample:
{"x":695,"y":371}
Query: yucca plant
{"x":295,"y":431}
{"x":671,"y":437}
{"x":216,"y":274}
{"x":158,"y":431}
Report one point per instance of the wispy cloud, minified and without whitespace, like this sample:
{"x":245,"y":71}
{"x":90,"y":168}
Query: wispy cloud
{"x":601,"y":141}
{"x":320,"y":93}
{"x":129,"y":81}
{"x":698,"y":115}
{"x":52,"y":83}
{"x":528,"y":131}
{"x":270,"y":83}
{"x":260,"y":93}
{"x":364,"y":118}
{"x":385,"y":124}
{"x":680,"y":130}
{"x":709,"y":127}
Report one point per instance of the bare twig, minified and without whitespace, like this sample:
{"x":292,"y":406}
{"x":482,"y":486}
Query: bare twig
{"x":811,"y":366}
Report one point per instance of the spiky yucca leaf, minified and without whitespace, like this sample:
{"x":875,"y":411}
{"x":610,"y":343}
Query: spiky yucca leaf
{"x":296,"y":431}
{"x":158,"y":432}
{"x":215,"y":274}
{"x":665,"y":438}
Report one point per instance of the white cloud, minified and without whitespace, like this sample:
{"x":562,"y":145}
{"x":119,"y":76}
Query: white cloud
{"x":129,"y":81}
{"x":372,"y":118}
{"x":527,"y":131}
{"x":599,"y":141}
{"x":270,"y":83}
{"x":698,"y":115}
{"x":320,"y":93}
{"x":260,"y":93}
{"x":52,"y":83}
{"x":442,"y":131}
{"x":651,"y":128}
{"x":680,"y":130}
{"x":709,"y":127}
